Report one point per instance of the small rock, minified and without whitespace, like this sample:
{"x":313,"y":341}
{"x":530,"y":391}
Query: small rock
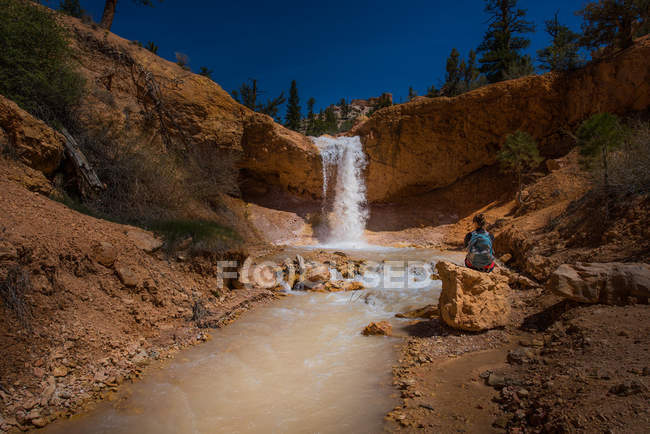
{"x":516,"y":357}
{"x":406,"y":383}
{"x":522,"y":393}
{"x":531,"y":342}
{"x":628,"y":388}
{"x":39,"y":422}
{"x":105,"y":254}
{"x":129,"y":277}
{"x":29,"y":404}
{"x":144,"y":240}
{"x":505,"y":258}
{"x":318,"y":273}
{"x":501,"y":422}
{"x":378,"y":328}
{"x":427,"y":312}
{"x":60,"y":371}
{"x":140,"y":358}
{"x":485,"y":374}
{"x":496,"y":381}
{"x":34,"y":414}
{"x":353,"y":286}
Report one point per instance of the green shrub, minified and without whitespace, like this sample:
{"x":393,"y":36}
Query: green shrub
{"x":597,"y":137}
{"x":207,"y":236}
{"x":35,"y":61}
{"x":629,"y":165}
{"x":518,"y":155}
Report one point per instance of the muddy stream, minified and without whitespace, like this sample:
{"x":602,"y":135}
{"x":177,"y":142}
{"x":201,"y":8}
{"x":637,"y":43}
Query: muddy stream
{"x":299,"y":364}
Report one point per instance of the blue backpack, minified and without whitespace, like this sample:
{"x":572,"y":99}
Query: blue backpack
{"x":480,"y":250}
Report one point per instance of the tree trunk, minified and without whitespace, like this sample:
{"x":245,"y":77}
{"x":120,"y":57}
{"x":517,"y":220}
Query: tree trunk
{"x":109,"y":13}
{"x":87,"y":178}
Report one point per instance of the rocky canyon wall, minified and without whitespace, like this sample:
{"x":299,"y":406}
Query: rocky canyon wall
{"x":163,"y":107}
{"x":431,"y":143}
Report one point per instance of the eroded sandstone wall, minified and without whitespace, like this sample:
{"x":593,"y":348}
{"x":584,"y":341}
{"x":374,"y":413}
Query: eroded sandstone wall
{"x":431,"y":143}
{"x":148,"y":101}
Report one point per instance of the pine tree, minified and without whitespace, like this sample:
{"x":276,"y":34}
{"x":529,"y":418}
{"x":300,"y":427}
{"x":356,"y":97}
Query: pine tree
{"x":309,"y":129}
{"x":311,"y":102}
{"x":472,"y":74}
{"x":412,"y":93}
{"x":502,"y":44}
{"x":292,"y":118}
{"x":518,"y":155}
{"x":432,"y":92}
{"x":318,"y":128}
{"x":345,"y":108}
{"x":272,"y":107}
{"x":614,"y":23}
{"x":247,"y":95}
{"x":331,"y":121}
{"x":72,"y":8}
{"x":563,"y":53}
{"x":597,"y":137}
{"x":461,"y":76}
{"x":452,"y":75}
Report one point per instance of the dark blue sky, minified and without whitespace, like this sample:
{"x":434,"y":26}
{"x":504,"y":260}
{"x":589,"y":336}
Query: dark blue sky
{"x":334,"y":49}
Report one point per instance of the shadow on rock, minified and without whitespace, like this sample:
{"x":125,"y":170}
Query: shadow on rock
{"x":543,"y":320}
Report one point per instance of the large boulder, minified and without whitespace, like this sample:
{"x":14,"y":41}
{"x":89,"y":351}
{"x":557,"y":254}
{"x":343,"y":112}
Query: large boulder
{"x":472,"y":300}
{"x":607,"y":283}
{"x":33,"y":142}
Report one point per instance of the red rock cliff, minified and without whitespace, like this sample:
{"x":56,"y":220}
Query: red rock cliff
{"x":430,"y":143}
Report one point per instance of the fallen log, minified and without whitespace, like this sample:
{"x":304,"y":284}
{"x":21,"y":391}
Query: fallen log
{"x":89,"y":182}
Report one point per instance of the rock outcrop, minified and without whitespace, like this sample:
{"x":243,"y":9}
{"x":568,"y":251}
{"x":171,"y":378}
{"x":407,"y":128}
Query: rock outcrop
{"x":29,"y":139}
{"x":430,"y":143}
{"x":607,"y":283}
{"x":151,"y":101}
{"x":471,"y":300}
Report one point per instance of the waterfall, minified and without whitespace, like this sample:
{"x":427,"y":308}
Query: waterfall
{"x":348,"y":215}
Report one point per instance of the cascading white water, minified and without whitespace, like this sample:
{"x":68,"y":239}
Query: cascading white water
{"x":349,"y":214}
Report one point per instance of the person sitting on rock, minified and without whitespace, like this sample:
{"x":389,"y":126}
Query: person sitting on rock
{"x":478,"y":243}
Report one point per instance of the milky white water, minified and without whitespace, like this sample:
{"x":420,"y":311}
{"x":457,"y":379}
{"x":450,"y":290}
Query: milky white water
{"x":297,"y":365}
{"x":347,"y":217}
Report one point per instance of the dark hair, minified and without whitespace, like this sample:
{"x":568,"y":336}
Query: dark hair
{"x":479,"y":219}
